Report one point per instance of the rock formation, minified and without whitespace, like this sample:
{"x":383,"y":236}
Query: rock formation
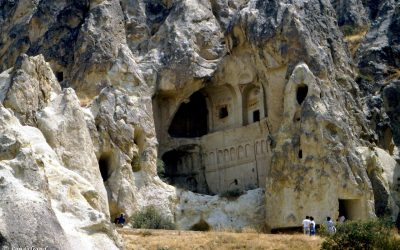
{"x":293,"y":103}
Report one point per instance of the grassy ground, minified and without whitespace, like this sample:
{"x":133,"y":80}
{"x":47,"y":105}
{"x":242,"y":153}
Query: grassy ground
{"x":182,"y":240}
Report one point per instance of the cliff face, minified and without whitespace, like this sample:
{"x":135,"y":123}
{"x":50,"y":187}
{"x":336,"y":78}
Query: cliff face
{"x":298,"y":98}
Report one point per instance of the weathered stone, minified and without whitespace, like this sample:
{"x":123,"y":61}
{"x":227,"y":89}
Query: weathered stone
{"x":231,"y":94}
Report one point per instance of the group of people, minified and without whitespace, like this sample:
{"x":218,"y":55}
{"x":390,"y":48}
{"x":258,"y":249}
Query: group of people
{"x":309,"y":225}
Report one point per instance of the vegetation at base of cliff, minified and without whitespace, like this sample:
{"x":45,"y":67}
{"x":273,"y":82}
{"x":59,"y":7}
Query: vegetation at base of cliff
{"x":374,"y":234}
{"x":202,"y":225}
{"x":150,"y":218}
{"x":232,"y":194}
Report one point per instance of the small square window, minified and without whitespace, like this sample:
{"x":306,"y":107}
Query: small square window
{"x":223,"y":112}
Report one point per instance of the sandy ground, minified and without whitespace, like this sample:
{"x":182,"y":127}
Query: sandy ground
{"x":182,"y":240}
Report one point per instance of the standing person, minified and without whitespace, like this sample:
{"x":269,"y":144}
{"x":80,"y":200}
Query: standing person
{"x":330,"y":226}
{"x":341,"y":219}
{"x":312,"y":226}
{"x":306,"y":225}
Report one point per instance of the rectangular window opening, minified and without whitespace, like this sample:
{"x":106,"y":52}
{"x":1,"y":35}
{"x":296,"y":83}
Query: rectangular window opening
{"x":256,"y":116}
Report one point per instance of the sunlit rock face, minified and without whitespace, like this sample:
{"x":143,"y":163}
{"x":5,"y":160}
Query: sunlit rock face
{"x":293,"y":103}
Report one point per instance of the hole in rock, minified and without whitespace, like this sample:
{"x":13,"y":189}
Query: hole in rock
{"x":256,"y":116}
{"x":191,"y":118}
{"x":60,"y":76}
{"x":350,"y":208}
{"x":223,"y":112}
{"x":105,"y":167}
{"x":302,"y":92}
{"x":300,"y":154}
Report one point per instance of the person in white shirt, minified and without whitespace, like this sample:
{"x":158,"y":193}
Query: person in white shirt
{"x":312,"y":226}
{"x":330,"y":226}
{"x":306,"y":225}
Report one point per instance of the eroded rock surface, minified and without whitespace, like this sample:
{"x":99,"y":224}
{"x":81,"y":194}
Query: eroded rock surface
{"x":296,"y":98}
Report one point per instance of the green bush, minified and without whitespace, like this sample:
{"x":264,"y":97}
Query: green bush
{"x":231,"y":194}
{"x":150,"y":218}
{"x":374,"y":234}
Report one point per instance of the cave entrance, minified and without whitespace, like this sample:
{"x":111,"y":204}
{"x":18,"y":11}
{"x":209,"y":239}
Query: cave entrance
{"x":301,"y":94}
{"x":105,"y":167}
{"x":350,"y":209}
{"x":191,"y":118}
{"x":184,"y":169}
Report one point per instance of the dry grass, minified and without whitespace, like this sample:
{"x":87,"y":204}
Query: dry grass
{"x":188,"y":240}
{"x":395,"y":74}
{"x":354,"y":41}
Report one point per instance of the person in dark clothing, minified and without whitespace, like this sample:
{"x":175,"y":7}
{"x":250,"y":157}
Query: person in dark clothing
{"x":120,"y":220}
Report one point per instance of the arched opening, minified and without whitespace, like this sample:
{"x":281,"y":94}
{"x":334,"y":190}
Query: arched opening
{"x":301,"y":94}
{"x":105,"y":167}
{"x":191,"y":118}
{"x":251,"y":105}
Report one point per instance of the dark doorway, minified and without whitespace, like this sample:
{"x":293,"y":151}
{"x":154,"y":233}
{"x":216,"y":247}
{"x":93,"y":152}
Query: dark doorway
{"x":350,"y":209}
{"x":60,"y":76}
{"x":223,"y":112}
{"x":302,"y":92}
{"x":300,"y":154}
{"x":256,"y":116}
{"x":184,"y":169}
{"x":104,"y":165}
{"x":191,"y":118}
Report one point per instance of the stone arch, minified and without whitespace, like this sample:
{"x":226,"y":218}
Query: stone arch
{"x":226,"y":155}
{"x":191,"y":119}
{"x":222,"y":103}
{"x":264,"y":146}
{"x":248,"y":150}
{"x":241,"y":153}
{"x":233,"y":154}
{"x":220,"y":157}
{"x":212,"y":158}
{"x":253,"y":104}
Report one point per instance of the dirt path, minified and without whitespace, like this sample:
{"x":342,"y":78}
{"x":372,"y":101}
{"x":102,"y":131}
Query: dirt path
{"x":189,"y":240}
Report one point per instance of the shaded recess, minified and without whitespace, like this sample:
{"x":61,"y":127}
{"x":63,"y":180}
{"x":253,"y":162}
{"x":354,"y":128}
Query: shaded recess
{"x":301,"y":94}
{"x":105,"y":167}
{"x":350,"y":208}
{"x":191,"y":118}
{"x":256,"y":116}
{"x":184,"y":169}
